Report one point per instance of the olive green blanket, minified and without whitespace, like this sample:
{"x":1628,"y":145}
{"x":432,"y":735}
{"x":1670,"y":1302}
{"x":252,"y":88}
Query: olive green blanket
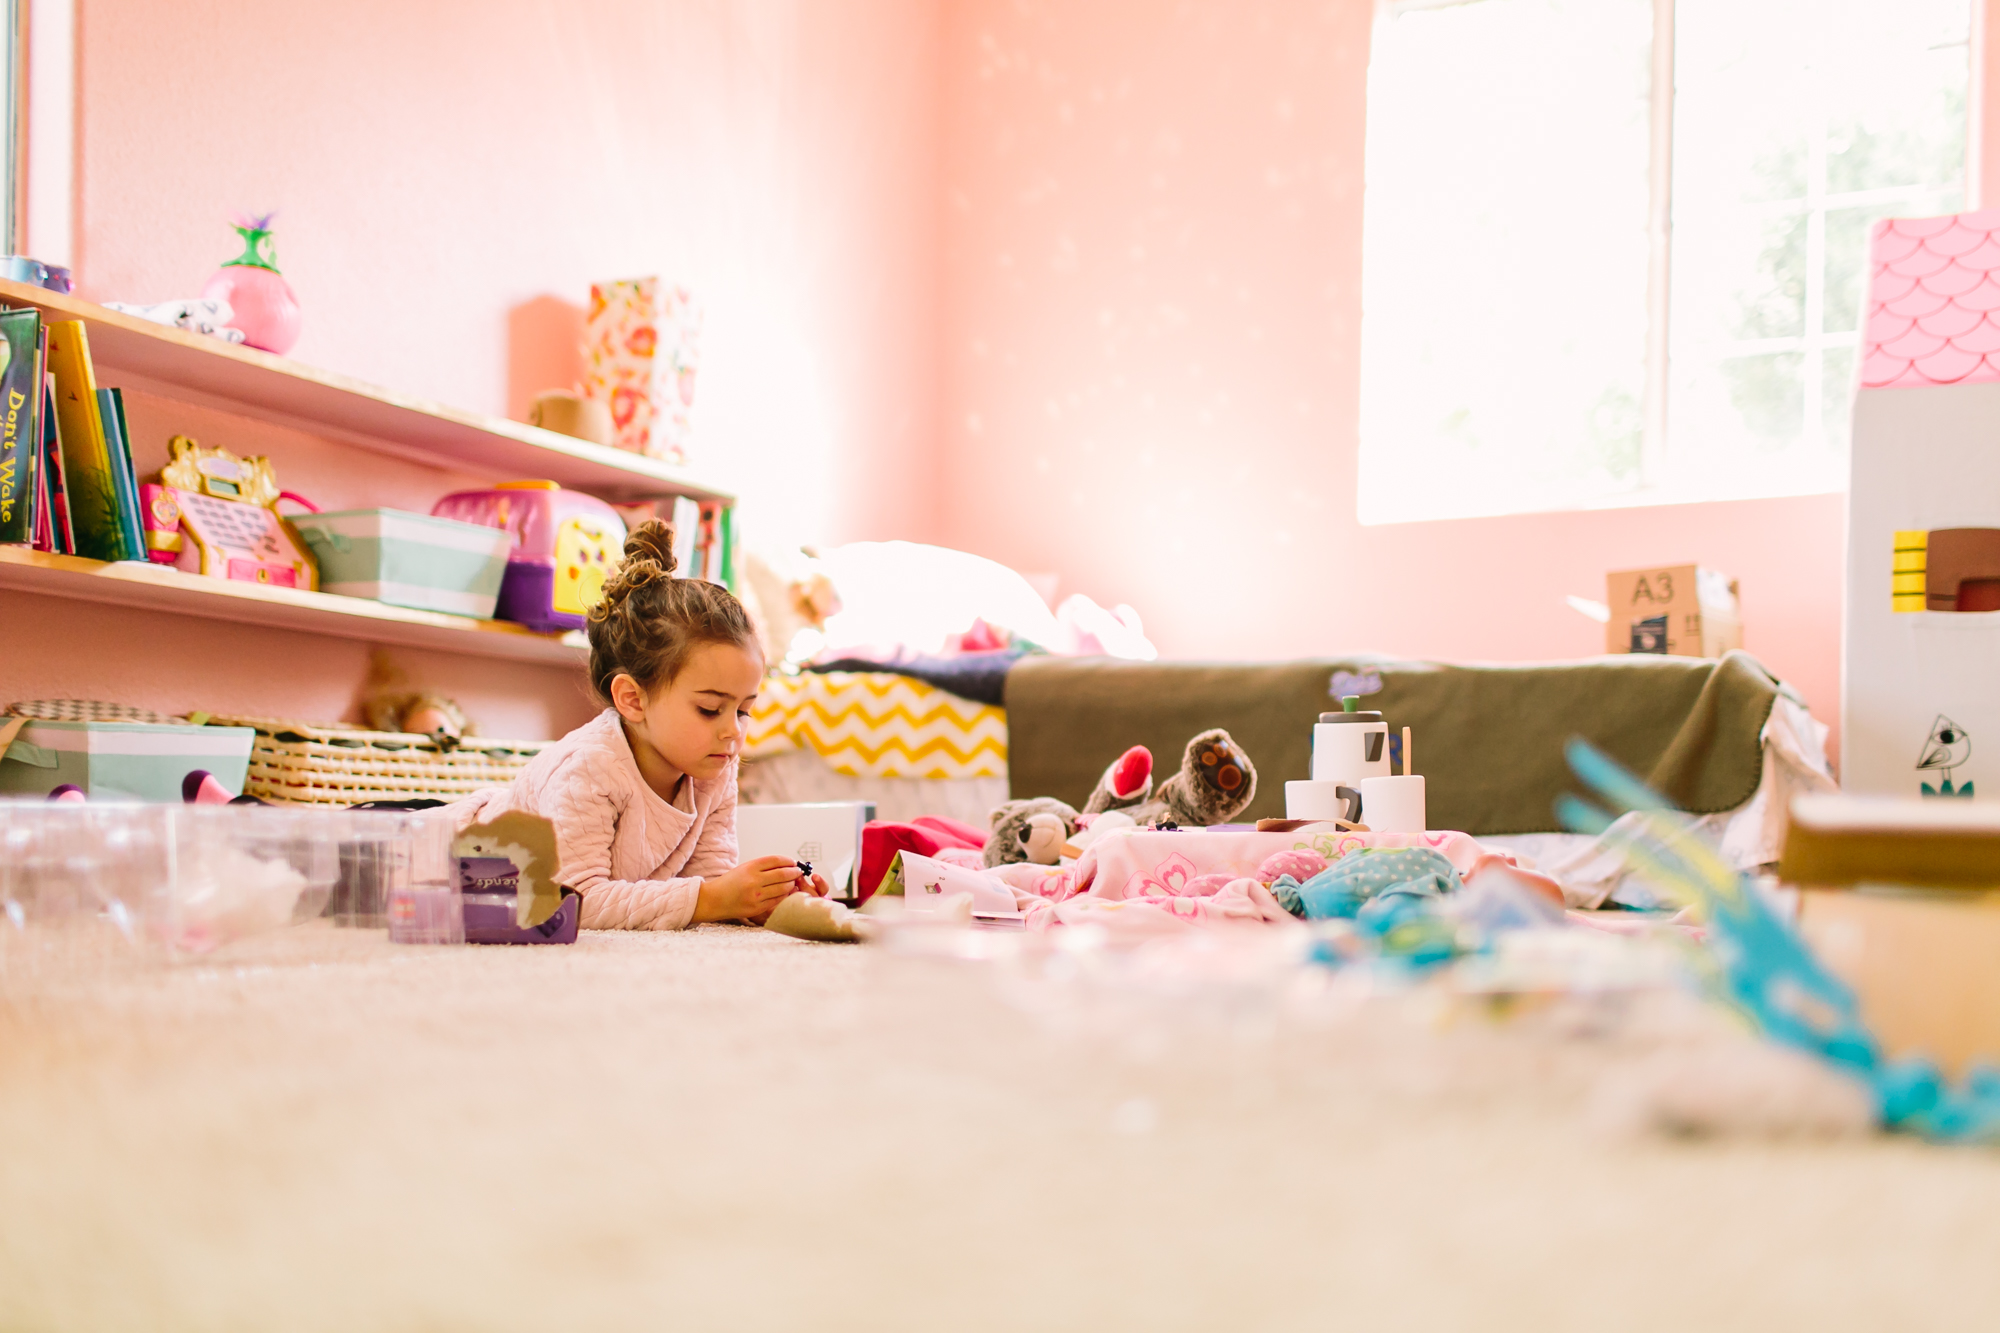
{"x":1489,"y":739}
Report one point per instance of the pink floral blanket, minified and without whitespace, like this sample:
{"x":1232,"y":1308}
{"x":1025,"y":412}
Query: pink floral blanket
{"x":1147,"y":880}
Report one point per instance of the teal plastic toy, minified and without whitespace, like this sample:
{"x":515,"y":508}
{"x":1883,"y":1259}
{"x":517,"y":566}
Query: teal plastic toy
{"x":1765,"y":969}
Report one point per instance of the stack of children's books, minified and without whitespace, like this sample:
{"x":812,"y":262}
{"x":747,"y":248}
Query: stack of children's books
{"x":67,"y":484}
{"x":703,"y":534}
{"x":701,"y":540}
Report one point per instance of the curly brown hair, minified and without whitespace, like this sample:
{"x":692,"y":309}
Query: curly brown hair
{"x":649,"y":621}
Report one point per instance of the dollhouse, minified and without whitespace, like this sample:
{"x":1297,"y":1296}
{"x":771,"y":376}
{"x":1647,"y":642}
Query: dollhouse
{"x":1919,"y":710}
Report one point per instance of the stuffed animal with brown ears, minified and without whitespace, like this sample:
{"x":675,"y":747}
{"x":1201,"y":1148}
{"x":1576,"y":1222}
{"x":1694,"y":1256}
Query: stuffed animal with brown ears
{"x":1216,"y":783}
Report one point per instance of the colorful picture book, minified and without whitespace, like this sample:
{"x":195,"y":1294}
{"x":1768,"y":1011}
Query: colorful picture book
{"x":713,"y":533}
{"x":686,"y":520}
{"x":67,"y":482}
{"x":89,"y":471}
{"x":52,"y":529}
{"x":118,"y":449}
{"x":20,"y":422}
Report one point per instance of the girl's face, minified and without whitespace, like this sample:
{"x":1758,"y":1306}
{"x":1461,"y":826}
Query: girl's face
{"x":696,"y":721}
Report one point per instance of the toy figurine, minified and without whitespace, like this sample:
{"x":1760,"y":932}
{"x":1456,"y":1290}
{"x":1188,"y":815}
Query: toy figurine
{"x":1034,"y":830}
{"x":420,"y":715}
{"x":161,"y":517}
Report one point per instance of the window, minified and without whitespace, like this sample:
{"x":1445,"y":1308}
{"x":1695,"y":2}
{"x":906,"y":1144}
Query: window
{"x":1614,"y":249}
{"x":14,"y":96}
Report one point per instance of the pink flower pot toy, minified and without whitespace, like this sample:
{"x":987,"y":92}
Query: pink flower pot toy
{"x":262,"y":301}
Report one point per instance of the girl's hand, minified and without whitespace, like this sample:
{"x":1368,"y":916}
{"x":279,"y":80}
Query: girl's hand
{"x":816,"y":886}
{"x":749,"y":892}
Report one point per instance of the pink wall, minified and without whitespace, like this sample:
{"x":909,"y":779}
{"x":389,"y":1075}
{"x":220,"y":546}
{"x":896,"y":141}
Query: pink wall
{"x":1152,"y":254}
{"x":451,"y":177}
{"x":438,"y":165}
{"x":1075,"y":285}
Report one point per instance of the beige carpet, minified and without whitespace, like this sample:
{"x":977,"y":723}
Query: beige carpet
{"x":724,"y":1129}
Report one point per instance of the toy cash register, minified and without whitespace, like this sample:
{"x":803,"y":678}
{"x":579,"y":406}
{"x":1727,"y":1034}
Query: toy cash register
{"x":212,"y":514}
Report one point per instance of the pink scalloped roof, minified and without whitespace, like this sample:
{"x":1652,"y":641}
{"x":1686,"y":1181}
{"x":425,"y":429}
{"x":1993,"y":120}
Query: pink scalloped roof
{"x":1933,"y":302}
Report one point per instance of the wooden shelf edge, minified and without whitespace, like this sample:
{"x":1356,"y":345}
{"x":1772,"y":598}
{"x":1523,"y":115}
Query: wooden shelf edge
{"x":160,"y":588}
{"x":173,"y":361}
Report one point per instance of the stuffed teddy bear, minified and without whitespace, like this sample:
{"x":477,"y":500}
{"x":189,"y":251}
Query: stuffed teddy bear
{"x":1035,"y":830}
{"x":1126,"y":783}
{"x":1216,"y":783}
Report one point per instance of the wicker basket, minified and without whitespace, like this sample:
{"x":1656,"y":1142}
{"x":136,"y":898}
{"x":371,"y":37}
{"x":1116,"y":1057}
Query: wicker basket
{"x":301,"y":764}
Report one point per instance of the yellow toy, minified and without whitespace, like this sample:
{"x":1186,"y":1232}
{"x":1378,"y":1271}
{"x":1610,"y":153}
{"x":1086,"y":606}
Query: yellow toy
{"x":223,"y":505}
{"x":566,"y":544}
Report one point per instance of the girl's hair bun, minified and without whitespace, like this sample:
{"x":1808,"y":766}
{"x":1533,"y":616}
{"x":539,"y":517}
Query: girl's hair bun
{"x":652,"y":542}
{"x":649,"y":621}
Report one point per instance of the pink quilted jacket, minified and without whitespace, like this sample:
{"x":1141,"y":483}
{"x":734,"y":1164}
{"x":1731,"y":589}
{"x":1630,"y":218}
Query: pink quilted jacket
{"x":637,"y":860}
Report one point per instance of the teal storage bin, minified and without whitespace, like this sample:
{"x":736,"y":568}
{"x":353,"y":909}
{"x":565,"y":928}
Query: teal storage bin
{"x":404,"y":559}
{"x":131,"y":761}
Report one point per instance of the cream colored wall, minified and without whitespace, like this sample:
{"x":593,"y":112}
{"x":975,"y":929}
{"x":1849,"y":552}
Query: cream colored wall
{"x":450,"y":178}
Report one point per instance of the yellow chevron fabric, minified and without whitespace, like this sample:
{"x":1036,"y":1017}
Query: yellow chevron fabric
{"x":878,"y":725}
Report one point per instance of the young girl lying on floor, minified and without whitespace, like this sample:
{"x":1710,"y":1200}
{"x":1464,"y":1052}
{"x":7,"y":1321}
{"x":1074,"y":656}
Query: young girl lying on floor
{"x":643,"y":797}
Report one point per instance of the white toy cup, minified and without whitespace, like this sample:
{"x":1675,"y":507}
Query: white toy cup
{"x":1321,"y":800}
{"x":1393,"y":805}
{"x":1349,"y":746}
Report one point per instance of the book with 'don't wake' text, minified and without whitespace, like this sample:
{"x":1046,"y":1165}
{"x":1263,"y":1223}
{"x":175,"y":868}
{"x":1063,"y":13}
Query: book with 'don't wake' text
{"x":20,"y":425}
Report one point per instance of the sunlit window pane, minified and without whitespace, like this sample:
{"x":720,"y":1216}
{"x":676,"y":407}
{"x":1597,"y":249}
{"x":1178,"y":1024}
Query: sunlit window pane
{"x":1504,"y":283}
{"x":1836,"y":397}
{"x":1796,"y":124}
{"x":1847,"y":265}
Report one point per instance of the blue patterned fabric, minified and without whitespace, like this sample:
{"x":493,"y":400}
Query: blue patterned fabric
{"x":1342,"y":888}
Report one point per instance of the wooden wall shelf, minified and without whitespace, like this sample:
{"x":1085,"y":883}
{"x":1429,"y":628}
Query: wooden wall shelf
{"x":192,"y":367}
{"x":161,"y":588}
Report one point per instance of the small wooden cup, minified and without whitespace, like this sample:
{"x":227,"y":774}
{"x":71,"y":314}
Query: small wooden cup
{"x":568,"y":413}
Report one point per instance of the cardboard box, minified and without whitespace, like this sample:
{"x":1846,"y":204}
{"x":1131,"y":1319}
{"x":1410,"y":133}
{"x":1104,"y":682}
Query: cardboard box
{"x":641,"y":348}
{"x":1900,"y":898}
{"x":1676,"y":610}
{"x":132,"y":761}
{"x":1841,"y":841}
{"x":1925,"y":967}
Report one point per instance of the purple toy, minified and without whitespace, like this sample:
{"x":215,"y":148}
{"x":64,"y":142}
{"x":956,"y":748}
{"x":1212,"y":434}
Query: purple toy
{"x":490,"y":920}
{"x":491,"y":885}
{"x":565,"y":545}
